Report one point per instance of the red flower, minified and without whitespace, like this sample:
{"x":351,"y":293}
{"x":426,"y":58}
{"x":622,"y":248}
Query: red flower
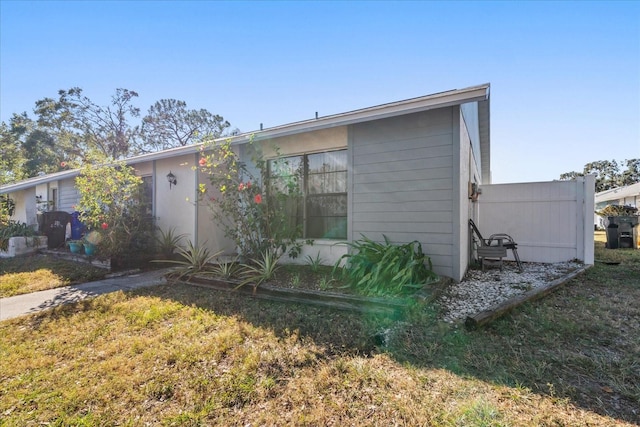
{"x":63,"y":164}
{"x":203,"y":162}
{"x":104,"y":226}
{"x":258,"y":198}
{"x":241,"y":187}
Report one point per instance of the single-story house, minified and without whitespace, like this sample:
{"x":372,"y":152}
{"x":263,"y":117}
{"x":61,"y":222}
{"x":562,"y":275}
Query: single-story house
{"x":621,"y":196}
{"x":412,"y":170}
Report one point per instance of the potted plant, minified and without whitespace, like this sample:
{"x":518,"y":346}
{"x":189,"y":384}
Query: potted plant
{"x":91,"y":241}
{"x":75,"y":246}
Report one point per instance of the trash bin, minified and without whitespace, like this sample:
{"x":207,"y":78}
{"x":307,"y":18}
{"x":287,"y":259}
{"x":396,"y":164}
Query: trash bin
{"x":622,"y":232}
{"x":612,"y":236}
{"x":77,"y":227}
{"x":54,"y":227}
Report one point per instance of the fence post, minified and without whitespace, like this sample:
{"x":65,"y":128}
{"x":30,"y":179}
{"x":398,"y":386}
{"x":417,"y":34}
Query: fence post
{"x":588,"y":208}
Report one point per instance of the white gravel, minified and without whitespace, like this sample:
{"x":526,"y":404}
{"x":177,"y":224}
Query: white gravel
{"x":479,"y":290}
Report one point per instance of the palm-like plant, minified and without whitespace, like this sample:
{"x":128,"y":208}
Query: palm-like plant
{"x":261,"y":270}
{"x":195,"y":260}
{"x":168,"y":241}
{"x":226,"y":269}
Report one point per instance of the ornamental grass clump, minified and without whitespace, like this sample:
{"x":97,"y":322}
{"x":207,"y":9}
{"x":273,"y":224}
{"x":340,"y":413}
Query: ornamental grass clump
{"x":386,"y":269}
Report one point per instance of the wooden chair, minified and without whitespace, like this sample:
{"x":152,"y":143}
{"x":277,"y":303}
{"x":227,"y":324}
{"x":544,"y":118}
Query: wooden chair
{"x":492,"y":250}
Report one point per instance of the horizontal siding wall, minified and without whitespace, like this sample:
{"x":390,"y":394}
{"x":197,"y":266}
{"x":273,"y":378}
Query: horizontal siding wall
{"x":68,"y":195}
{"x":402,"y":182}
{"x":550,"y":221}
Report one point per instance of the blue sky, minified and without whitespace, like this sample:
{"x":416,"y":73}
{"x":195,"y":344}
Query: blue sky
{"x":565,"y":77}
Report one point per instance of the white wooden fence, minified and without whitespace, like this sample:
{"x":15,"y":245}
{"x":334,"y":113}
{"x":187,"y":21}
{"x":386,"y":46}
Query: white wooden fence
{"x":550,"y":221}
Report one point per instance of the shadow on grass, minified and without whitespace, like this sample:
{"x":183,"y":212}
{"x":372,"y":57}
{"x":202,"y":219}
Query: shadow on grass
{"x":579,"y":344}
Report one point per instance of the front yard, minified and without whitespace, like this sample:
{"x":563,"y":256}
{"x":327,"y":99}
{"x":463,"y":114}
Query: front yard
{"x":22,"y":275}
{"x":182,"y":355}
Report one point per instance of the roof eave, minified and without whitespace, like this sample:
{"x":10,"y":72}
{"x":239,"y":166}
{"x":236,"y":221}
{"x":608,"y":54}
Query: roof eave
{"x":478,"y":94}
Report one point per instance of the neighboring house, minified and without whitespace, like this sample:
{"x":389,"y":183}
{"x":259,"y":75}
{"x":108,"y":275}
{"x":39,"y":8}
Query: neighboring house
{"x":621,"y":196}
{"x":409,"y":170}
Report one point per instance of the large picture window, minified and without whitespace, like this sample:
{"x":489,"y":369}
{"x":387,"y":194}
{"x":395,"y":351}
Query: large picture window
{"x":315,"y":189}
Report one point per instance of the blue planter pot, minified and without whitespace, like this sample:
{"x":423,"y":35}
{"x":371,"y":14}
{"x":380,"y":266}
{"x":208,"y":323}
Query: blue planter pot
{"x":89,"y":249}
{"x":75,"y":248}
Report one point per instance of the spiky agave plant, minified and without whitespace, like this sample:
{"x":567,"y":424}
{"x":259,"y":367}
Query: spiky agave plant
{"x":194,"y":260}
{"x":260,"y":270}
{"x":168,"y":241}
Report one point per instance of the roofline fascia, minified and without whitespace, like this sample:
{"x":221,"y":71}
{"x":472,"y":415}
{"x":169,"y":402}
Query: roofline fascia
{"x":392,"y":109}
{"x":428,"y":102}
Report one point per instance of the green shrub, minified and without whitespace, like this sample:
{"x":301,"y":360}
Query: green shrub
{"x":7,"y":209}
{"x":249,"y":212}
{"x":385,"y":269}
{"x":14,"y":229}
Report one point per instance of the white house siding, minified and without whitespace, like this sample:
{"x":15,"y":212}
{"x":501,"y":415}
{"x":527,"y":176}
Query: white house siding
{"x":176,"y":205}
{"x":210,"y":234}
{"x":68,"y":195}
{"x":25,"y":209}
{"x":550,"y":221}
{"x":143,"y":169}
{"x":401,"y":182}
{"x":308,"y":142}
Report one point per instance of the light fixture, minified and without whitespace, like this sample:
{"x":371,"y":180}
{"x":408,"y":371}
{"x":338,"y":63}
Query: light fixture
{"x":172,"y":179}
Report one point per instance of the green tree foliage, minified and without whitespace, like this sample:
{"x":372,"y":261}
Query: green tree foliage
{"x":58,"y":117}
{"x":68,"y":127}
{"x":38,"y":152}
{"x":608,"y":173}
{"x":169,"y":124}
{"x":84,"y":125}
{"x":112,"y":203}
{"x":632,"y":174}
{"x":11,"y":156}
{"x":7,"y":209}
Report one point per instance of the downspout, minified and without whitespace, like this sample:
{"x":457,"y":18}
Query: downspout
{"x":154,"y":196}
{"x":195,"y":201}
{"x":456,"y":196}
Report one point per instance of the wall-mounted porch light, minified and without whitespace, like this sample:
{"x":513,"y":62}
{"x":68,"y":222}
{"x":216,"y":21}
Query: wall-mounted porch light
{"x":172,"y":179}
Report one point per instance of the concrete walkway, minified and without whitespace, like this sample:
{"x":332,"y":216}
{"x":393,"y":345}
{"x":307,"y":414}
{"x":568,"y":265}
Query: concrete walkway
{"x":20,"y":305}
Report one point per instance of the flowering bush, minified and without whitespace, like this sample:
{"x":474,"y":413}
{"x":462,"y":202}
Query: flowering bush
{"x":111,"y":204}
{"x":239,"y":203}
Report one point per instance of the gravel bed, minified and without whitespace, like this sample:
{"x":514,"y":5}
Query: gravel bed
{"x":479,"y":290}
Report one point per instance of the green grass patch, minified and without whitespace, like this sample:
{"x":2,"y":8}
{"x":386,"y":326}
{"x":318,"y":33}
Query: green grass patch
{"x":22,"y":275}
{"x":183,"y":355}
